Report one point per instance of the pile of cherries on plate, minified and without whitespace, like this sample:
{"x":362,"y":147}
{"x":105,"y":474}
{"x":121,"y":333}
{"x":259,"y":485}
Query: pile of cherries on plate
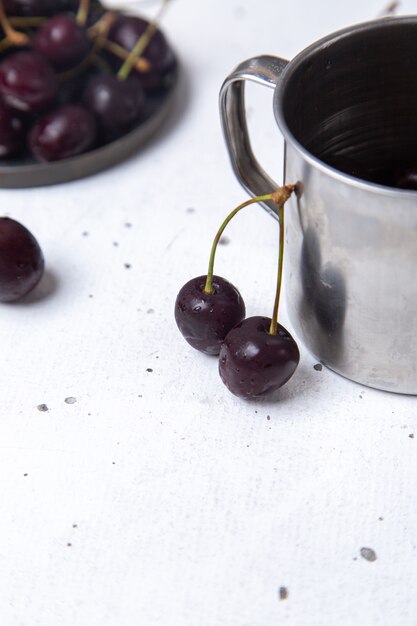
{"x":71,"y":79}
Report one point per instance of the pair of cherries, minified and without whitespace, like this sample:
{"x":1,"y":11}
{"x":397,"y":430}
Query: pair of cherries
{"x":256,"y":354}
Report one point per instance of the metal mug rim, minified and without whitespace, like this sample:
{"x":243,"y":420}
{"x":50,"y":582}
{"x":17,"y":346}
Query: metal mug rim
{"x":279,"y":95}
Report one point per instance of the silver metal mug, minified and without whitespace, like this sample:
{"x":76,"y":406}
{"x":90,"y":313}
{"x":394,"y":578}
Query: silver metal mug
{"x":351,"y":245}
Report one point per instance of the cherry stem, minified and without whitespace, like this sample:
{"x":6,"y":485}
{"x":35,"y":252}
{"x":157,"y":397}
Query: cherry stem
{"x":141,"y":65}
{"x":141,"y":44}
{"x":280,"y":197}
{"x":101,"y":64}
{"x":208,"y":287}
{"x":103,"y":27}
{"x":83,"y":10}
{"x":27,"y":22}
{"x":100,"y":30}
{"x":4,"y":44}
{"x":15,"y":37}
{"x":274,"y":320}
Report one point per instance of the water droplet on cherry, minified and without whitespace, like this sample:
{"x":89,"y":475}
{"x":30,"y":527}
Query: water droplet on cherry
{"x":204,"y":319}
{"x":253,"y":362}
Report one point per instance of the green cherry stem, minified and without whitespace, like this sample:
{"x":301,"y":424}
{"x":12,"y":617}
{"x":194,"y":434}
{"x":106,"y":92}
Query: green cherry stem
{"x":100,"y":30}
{"x":208,"y":288}
{"x":281,"y":196}
{"x":14,"y":36}
{"x":101,"y":64}
{"x":83,"y":10}
{"x":141,"y":44}
{"x":4,"y":44}
{"x":140,"y":65}
{"x":27,"y":22}
{"x":101,"y":34}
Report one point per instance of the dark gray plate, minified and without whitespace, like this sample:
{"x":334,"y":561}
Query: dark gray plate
{"x":28,"y":173}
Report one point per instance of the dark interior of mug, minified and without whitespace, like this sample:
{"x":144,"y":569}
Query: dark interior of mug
{"x":352,"y":102}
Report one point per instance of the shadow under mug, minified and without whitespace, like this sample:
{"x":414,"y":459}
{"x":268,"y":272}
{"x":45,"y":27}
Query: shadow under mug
{"x":351,"y":244}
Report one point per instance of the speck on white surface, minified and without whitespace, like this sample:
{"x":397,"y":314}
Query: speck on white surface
{"x":157,"y":498}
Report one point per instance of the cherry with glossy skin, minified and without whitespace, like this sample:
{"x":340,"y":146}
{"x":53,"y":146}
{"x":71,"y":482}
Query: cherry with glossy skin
{"x":21,"y":260}
{"x":253,"y":362}
{"x":204,"y":319}
{"x":259,"y":355}
{"x":63,"y":133}
{"x":28,"y":82}
{"x":207,"y":307}
{"x":62,"y":41}
{"x":12,"y":132}
{"x":117,"y":104}
{"x":127,"y":30}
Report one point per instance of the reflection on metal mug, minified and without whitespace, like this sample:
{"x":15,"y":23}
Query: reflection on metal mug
{"x":345,"y":104}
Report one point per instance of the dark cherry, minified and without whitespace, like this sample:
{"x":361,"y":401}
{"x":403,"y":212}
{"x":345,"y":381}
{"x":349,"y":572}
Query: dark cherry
{"x":43,"y":8}
{"x":21,"y":260}
{"x":205,"y":319}
{"x":40,"y":8}
{"x":68,"y":5}
{"x":29,"y":8}
{"x":126,"y":31}
{"x":117,"y":104}
{"x":71,"y":89}
{"x":62,"y":133}
{"x":27,"y":82}
{"x":62,"y":41}
{"x":407,"y":179}
{"x":255,"y":363}
{"x":12,"y":132}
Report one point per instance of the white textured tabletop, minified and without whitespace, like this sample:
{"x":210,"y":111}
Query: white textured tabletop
{"x":145,"y":493}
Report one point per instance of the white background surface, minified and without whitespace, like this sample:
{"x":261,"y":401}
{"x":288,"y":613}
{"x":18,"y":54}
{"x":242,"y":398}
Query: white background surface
{"x":157,"y":498}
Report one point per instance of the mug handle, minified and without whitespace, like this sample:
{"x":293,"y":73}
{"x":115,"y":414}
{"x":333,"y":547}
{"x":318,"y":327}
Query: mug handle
{"x":264,"y":70}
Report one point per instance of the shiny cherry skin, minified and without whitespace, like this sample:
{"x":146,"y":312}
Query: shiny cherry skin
{"x":254,"y":363}
{"x":21,"y":260}
{"x":63,"y":133}
{"x":12,"y":132}
{"x":117,"y":104}
{"x":126,"y":31}
{"x":205,"y":319}
{"x":27,"y":82}
{"x":62,"y":41}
